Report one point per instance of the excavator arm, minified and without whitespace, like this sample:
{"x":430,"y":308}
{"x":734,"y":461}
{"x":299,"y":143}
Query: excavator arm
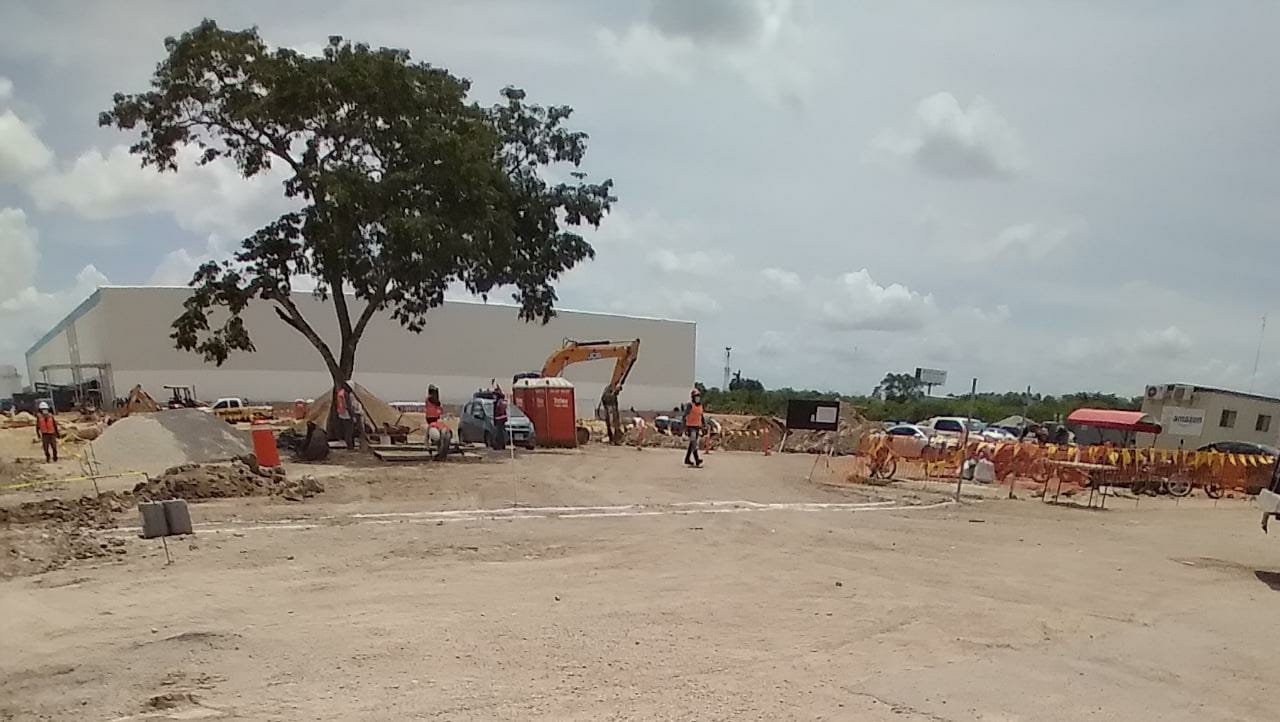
{"x":579,"y":351}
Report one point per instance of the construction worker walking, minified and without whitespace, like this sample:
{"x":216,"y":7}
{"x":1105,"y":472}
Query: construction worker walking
{"x":47,"y":432}
{"x":500,"y":416}
{"x":693,"y":427}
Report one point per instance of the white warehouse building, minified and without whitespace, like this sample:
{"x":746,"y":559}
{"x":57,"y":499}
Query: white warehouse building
{"x":122,"y":336}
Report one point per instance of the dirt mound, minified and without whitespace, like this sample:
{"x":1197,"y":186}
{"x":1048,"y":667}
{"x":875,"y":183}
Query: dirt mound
{"x":95,"y":512}
{"x":243,"y":477}
{"x":847,"y":439}
{"x":749,"y":436}
{"x":20,"y":420}
{"x":152,"y":443}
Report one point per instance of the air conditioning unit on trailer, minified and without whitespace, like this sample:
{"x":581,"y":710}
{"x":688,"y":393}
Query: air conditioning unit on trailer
{"x":1154,"y":392}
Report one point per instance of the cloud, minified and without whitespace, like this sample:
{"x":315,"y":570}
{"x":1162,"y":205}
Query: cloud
{"x":6,"y":89}
{"x":859,"y":303}
{"x":778,"y":279}
{"x":762,"y":42}
{"x":22,"y":153}
{"x":1169,"y":342}
{"x":698,"y":263}
{"x":726,"y":21}
{"x":1032,"y":240}
{"x":679,"y":304}
{"x":213,"y":198}
{"x":950,"y":141}
{"x":178,"y":266}
{"x":26,"y":312}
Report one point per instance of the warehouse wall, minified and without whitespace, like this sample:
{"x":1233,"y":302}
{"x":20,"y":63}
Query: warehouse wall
{"x":463,"y":346}
{"x":77,"y":338}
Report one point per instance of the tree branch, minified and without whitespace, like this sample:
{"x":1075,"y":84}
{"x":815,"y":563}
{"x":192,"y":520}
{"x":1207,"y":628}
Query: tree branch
{"x":294,"y":319}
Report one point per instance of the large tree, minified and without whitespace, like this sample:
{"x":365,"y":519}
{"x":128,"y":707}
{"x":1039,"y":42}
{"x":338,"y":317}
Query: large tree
{"x":401,"y":185}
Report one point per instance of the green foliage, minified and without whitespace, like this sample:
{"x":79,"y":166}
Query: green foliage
{"x":737,"y":383}
{"x":988,"y":407}
{"x":898,"y":388}
{"x":403,"y":187}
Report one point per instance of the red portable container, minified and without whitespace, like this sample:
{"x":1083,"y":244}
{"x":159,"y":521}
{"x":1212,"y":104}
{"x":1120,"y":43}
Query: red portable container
{"x":549,"y":404}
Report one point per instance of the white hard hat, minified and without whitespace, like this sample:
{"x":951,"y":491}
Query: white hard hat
{"x":44,"y":406}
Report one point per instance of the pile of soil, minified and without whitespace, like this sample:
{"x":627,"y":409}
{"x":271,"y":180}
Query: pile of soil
{"x":20,"y":420}
{"x":243,"y":477}
{"x":92,"y":512}
{"x":849,"y":437}
{"x":747,"y":438}
{"x":152,"y":443}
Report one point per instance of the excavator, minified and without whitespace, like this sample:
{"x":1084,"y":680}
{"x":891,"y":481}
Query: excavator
{"x":573,"y":352}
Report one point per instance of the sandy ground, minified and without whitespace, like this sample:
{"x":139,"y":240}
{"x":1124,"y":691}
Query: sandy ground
{"x":624,"y":586}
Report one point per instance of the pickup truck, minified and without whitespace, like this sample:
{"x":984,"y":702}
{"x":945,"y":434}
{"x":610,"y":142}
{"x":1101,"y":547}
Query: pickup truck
{"x":233,"y":409}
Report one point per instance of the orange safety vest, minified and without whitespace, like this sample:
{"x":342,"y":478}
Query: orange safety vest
{"x":342,"y":402}
{"x":694,"y":419}
{"x":433,"y":411}
{"x":46,"y":424}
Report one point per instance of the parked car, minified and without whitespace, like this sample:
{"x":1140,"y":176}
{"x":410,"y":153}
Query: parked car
{"x":475,"y":424}
{"x":995,"y":433}
{"x":907,"y":440}
{"x":1241,"y":447}
{"x":951,"y":426}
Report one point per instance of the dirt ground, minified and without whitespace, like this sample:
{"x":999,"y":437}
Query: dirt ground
{"x":616,"y":584}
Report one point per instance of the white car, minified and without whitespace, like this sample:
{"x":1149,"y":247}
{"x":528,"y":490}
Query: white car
{"x":950,"y":426}
{"x":907,"y":440}
{"x":993,"y":433}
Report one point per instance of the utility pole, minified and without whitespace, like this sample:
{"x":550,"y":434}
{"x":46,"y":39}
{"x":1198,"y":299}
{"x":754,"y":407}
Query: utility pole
{"x":727,"y":350}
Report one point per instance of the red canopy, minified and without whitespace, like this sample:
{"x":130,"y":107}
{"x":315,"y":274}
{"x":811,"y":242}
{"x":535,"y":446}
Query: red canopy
{"x":1111,"y":419}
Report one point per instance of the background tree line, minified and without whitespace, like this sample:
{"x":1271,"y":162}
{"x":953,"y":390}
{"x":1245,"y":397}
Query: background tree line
{"x":899,"y":398}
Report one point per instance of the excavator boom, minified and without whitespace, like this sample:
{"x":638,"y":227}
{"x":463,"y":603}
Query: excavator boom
{"x":580,"y":351}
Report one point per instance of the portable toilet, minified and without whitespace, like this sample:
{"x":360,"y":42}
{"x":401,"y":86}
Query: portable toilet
{"x":549,"y":404}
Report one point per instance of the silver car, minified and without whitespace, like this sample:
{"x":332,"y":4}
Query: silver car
{"x":475,"y":424}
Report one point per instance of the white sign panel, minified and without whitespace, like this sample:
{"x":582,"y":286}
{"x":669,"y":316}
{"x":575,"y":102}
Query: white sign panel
{"x":1181,"y":421}
{"x":931,"y":377}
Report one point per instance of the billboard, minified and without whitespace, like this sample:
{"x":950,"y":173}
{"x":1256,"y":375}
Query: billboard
{"x":1182,"y":421}
{"x":816,"y":415}
{"x":931,"y":377}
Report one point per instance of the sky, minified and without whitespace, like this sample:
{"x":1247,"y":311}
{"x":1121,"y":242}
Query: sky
{"x":1066,"y":196}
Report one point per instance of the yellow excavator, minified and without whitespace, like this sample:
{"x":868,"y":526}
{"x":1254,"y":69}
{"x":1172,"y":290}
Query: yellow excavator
{"x":572,"y":352}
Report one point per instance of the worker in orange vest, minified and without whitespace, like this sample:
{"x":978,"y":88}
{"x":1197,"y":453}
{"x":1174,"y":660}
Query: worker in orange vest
{"x":342,"y":406}
{"x":693,"y":427}
{"x":47,"y":432}
{"x":434,"y":412}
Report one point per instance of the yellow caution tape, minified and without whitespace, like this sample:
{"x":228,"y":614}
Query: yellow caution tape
{"x":42,"y":482}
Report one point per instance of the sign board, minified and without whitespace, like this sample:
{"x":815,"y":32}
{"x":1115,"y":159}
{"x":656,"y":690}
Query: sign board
{"x":816,"y":415}
{"x":1182,"y":421}
{"x":931,"y":377}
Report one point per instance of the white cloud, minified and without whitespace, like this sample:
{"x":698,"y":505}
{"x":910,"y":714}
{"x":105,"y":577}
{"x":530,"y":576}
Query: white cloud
{"x":18,"y":249}
{"x":177,"y":266}
{"x":26,"y":312}
{"x":6,"y":89}
{"x":859,"y":303}
{"x":22,"y":153}
{"x":779,"y":279}
{"x":760,"y":41}
{"x":1029,"y":239}
{"x":948,"y":140}
{"x":213,"y":198}
{"x":1169,"y":342}
{"x":680,"y":304}
{"x":700,"y":263}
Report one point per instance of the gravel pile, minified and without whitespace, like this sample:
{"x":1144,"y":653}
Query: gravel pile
{"x":154,"y":442}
